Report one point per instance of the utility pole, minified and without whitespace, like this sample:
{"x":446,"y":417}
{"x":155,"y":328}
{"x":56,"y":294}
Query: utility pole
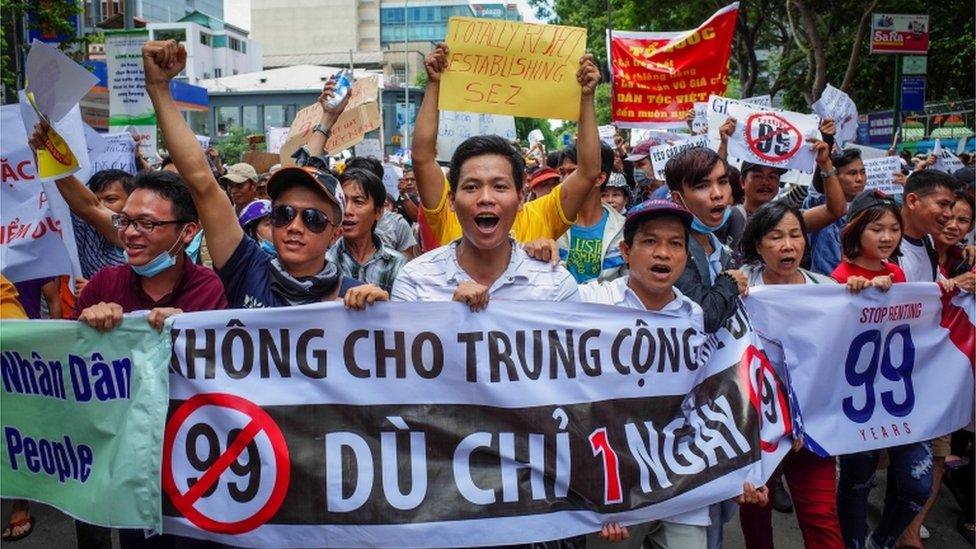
{"x":406,"y":73}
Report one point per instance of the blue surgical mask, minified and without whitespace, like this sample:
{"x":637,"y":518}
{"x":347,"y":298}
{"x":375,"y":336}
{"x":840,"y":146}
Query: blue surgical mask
{"x":160,"y":263}
{"x":640,"y":178}
{"x":269,"y":248}
{"x":699,"y":227}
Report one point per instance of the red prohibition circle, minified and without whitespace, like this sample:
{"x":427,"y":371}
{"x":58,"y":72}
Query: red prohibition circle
{"x":764,"y":367}
{"x":260,"y":422}
{"x":785,"y":126}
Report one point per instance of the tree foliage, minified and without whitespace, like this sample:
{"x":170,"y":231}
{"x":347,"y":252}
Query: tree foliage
{"x":53,"y":17}
{"x":795,"y":47}
{"x":233,"y":145}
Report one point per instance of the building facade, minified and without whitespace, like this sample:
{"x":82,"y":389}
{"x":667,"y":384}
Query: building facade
{"x":214,"y":49}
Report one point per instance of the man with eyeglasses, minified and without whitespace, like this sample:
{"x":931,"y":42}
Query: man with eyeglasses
{"x":306,"y":214}
{"x":155,"y":226}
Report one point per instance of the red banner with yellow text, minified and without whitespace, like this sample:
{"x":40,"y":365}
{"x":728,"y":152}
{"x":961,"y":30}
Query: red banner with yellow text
{"x":658,"y":76}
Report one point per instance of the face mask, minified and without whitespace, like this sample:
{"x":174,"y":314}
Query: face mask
{"x":640,"y":178}
{"x":160,"y":263}
{"x":699,"y":227}
{"x":269,"y":248}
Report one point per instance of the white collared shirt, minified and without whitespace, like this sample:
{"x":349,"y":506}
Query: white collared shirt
{"x":435,"y":276}
{"x":617,"y":292}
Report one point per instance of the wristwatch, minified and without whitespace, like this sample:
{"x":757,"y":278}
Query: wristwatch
{"x":326,"y":132}
{"x":828,"y":174}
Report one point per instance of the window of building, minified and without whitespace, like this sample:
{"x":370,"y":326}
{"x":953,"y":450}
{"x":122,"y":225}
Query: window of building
{"x":204,"y":39}
{"x":274,"y":115}
{"x":251,"y":121}
{"x":218,"y":73}
{"x":227,"y":117}
{"x":235,"y":44}
{"x":170,"y":34}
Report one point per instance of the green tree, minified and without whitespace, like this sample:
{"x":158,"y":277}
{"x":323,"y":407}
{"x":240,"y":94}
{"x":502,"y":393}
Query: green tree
{"x":525,"y":125}
{"x":233,"y":145}
{"x":52,"y":16}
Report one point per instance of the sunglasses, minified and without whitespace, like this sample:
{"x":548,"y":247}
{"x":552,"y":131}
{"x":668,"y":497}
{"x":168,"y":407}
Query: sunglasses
{"x":314,"y":220}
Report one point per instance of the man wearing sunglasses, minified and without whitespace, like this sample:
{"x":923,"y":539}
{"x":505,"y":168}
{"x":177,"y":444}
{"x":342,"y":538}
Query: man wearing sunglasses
{"x":306,"y":214}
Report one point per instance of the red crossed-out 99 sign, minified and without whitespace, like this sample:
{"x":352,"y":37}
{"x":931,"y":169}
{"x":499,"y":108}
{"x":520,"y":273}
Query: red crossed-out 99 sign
{"x":771,"y":137}
{"x":226,"y":466}
{"x":767,"y":395}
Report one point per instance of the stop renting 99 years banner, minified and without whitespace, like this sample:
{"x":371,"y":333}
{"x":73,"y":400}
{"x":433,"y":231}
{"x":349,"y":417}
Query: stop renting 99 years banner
{"x":82,"y":418}
{"x":659,"y":76}
{"x":507,"y":67}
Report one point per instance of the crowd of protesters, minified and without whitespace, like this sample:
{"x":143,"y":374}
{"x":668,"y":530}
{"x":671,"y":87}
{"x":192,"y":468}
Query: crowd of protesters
{"x":500,"y":222}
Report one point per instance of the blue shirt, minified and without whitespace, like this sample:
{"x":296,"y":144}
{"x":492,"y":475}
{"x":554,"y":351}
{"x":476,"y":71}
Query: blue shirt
{"x":825,"y":243}
{"x":585,"y":257}
{"x":247,"y":281}
{"x":95,"y":252}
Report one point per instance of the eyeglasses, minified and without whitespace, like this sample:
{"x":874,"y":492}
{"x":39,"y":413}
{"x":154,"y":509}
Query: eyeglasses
{"x":143,"y":226}
{"x":315,"y":220}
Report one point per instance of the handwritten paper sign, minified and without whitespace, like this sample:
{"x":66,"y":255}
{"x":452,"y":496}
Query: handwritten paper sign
{"x":275,"y":137}
{"x":454,"y":127}
{"x":361,"y":115}
{"x":507,"y":67}
{"x":660,"y":154}
{"x":945,"y":161}
{"x":607,"y":134}
{"x":880,"y":173}
{"x":117,"y":152}
{"x":836,"y":104}
{"x":55,"y":85}
{"x":716,"y":112}
{"x":369,"y":148}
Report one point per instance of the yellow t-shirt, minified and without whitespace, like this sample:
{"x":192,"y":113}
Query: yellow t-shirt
{"x":540,"y":218}
{"x":9,"y":304}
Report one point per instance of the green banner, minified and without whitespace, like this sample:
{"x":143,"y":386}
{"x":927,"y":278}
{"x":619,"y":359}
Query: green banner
{"x":82,"y":418}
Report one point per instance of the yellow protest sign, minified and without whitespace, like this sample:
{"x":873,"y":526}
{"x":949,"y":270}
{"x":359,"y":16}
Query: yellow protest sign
{"x":507,"y":67}
{"x":55,"y":159}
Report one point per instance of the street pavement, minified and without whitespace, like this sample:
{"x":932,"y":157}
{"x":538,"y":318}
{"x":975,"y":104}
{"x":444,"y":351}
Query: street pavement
{"x":56,"y":530}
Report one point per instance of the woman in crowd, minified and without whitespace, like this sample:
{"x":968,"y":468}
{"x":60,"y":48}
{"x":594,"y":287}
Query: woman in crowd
{"x":255,"y":219}
{"x":870,"y":238}
{"x":773,"y":243}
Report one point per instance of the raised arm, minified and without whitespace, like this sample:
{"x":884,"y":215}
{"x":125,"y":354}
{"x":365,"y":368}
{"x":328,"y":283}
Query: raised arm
{"x":80,"y":199}
{"x":430,"y":179}
{"x":163,"y":60}
{"x":724,"y":132}
{"x":819,"y":217}
{"x":578,"y":184}
{"x":322,"y":130}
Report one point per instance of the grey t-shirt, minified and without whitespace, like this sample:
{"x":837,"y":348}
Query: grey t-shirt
{"x":394,"y":232}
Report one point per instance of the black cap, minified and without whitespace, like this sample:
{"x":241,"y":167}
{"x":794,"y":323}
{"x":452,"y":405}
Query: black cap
{"x":869,"y":199}
{"x":749,"y":166}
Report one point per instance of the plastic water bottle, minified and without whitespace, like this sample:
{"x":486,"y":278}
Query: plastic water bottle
{"x":343,"y":85}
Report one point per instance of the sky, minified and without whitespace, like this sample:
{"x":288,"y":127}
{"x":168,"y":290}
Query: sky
{"x":238,"y":12}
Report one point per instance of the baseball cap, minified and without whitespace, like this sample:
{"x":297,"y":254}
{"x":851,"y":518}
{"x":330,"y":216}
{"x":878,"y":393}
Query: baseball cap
{"x":869,"y":199}
{"x":618,"y":181}
{"x":656,"y":207}
{"x":319,"y":180}
{"x":641,"y":150}
{"x":965,"y":175}
{"x":239,"y":173}
{"x":749,"y":166}
{"x":254,"y":211}
{"x":544,"y":174}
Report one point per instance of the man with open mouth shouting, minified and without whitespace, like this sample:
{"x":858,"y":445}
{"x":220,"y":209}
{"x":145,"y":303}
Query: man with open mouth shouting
{"x":486,"y":193}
